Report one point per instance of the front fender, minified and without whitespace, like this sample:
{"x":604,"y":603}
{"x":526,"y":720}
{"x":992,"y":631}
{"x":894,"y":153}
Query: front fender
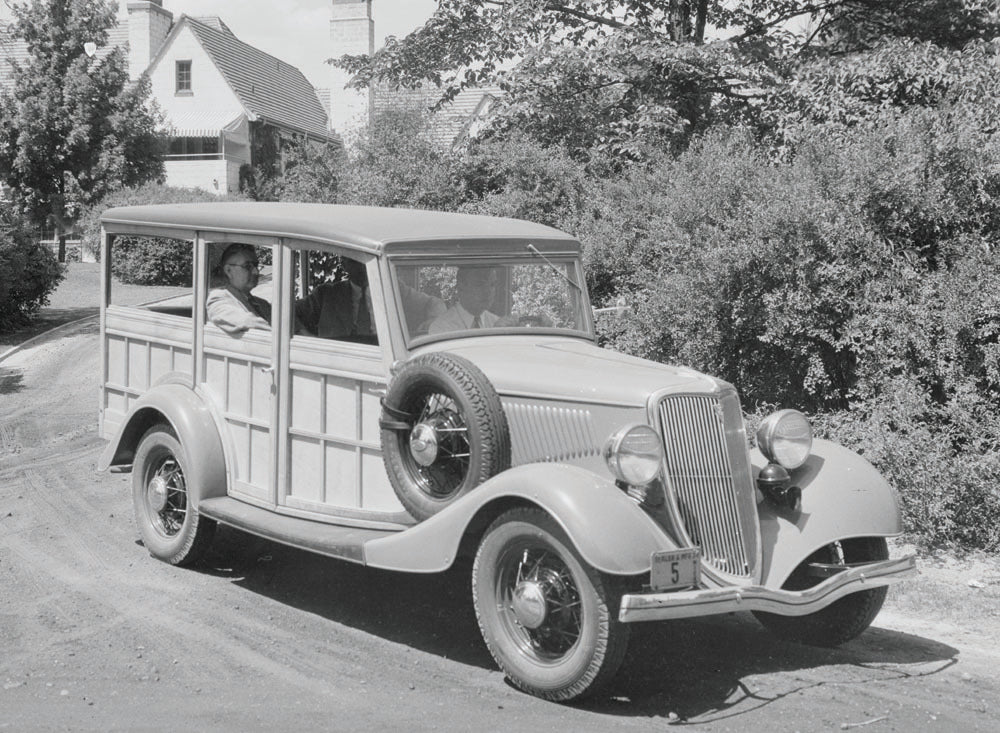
{"x":191,"y":420}
{"x":843,"y":496}
{"x":608,"y":529}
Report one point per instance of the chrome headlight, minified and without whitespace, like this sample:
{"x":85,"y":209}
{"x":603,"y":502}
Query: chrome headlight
{"x":634,"y":454}
{"x":785,"y":437}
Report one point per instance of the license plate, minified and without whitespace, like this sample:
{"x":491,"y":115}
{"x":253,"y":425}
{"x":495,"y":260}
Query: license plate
{"x":675,"y":569}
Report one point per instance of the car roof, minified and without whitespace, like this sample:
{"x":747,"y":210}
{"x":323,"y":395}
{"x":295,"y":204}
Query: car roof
{"x":368,"y":228}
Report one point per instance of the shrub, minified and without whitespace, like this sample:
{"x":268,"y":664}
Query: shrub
{"x":941,"y":459}
{"x":148,"y":261}
{"x":29,"y":272}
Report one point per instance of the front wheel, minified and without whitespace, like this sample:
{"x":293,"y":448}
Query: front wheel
{"x":170,"y":526}
{"x":842,"y":620}
{"x":548,"y":619}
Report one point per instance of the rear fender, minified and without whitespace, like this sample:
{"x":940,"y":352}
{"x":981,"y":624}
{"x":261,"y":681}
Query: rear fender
{"x":843,"y":496}
{"x":184,"y":410}
{"x":608,"y":529}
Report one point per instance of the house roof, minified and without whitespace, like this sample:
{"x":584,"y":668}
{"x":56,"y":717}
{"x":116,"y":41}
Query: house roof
{"x":268,"y":88}
{"x":362,"y":227}
{"x":454,"y":121}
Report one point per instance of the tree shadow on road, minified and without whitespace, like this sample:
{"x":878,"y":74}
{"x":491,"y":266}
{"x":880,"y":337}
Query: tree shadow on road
{"x":51,"y":318}
{"x":696,"y":670}
{"x":11,"y":380}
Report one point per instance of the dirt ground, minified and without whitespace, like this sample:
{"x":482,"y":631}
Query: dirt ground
{"x":95,"y":635}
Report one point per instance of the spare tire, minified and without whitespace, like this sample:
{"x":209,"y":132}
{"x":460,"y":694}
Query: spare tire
{"x":444,"y":432}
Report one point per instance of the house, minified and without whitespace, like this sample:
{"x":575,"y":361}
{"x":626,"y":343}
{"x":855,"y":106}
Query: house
{"x":228,"y":106}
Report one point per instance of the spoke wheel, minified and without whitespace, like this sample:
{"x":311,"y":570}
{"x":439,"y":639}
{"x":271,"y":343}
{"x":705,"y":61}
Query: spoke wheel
{"x":440,"y":439}
{"x":549,"y":620}
{"x":169,"y":523}
{"x":444,"y":432}
{"x":845,"y":618}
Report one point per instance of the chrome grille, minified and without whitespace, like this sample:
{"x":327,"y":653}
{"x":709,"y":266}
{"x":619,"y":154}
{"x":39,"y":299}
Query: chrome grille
{"x":699,"y":469}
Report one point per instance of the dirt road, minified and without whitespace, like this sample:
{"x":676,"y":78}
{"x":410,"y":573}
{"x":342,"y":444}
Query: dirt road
{"x":95,"y":635}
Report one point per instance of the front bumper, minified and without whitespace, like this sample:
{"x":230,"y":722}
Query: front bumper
{"x":685,"y":604}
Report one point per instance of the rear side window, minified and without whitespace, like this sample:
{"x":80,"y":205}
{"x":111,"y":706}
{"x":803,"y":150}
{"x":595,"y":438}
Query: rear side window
{"x":152,"y":273}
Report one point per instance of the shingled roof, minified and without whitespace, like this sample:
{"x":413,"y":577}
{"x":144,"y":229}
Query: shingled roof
{"x":268,"y":88}
{"x":455,"y":121}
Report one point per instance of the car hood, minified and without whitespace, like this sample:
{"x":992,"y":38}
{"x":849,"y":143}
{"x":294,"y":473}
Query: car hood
{"x":575,"y":370}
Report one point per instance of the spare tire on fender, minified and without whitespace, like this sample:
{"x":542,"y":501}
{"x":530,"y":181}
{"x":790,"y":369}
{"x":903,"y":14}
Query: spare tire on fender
{"x":444,"y":432}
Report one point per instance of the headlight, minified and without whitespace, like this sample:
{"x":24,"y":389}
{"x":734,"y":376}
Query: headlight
{"x":785,"y":437}
{"x":634,"y":454}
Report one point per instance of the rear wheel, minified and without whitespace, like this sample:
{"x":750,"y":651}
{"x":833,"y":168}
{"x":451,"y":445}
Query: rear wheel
{"x":842,"y":620}
{"x":549,"y":620}
{"x":170,"y":526}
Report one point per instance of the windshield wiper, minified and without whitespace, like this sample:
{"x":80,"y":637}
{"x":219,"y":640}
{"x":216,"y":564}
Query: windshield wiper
{"x":535,"y":251}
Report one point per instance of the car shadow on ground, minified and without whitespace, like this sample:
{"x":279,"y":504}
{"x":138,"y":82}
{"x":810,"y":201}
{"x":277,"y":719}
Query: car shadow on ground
{"x":689,"y":670}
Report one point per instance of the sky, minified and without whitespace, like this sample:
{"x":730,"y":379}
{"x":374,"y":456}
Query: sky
{"x":296,"y":31}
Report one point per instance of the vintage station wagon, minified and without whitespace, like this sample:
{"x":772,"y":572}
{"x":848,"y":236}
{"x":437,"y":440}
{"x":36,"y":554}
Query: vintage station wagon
{"x":473,"y":415}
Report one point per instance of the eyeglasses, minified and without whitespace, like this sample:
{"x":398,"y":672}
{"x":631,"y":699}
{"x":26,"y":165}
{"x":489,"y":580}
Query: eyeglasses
{"x":248,"y":266}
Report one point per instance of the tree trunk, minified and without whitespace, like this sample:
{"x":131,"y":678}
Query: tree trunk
{"x":701,"y":16}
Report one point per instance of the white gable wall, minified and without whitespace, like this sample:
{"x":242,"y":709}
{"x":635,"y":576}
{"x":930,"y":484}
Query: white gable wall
{"x":210,"y":105}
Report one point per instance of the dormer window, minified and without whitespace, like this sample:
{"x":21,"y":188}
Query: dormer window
{"x":184,"y":77}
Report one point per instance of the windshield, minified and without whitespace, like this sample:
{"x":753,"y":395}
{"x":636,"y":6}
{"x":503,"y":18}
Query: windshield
{"x":464,"y":297}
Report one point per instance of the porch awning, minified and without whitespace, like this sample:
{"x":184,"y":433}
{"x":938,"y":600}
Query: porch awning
{"x":197,"y":123}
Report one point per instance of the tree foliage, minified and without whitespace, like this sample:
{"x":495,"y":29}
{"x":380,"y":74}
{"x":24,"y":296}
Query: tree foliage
{"x":73,"y":128}
{"x":623,"y":77}
{"x":28,"y":272}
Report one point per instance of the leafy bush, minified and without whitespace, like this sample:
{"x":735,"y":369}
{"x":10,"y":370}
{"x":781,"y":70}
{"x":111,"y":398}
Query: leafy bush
{"x":148,"y":261}
{"x":29,"y":272}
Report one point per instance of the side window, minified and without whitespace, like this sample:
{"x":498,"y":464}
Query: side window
{"x":152,"y":273}
{"x":333,"y":300}
{"x":240,"y":287}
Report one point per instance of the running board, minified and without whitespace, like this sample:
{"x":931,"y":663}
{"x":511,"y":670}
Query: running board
{"x":332,"y":540}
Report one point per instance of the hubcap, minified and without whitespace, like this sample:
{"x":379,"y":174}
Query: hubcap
{"x":528,"y":604}
{"x":158,"y":493}
{"x":423,"y":444}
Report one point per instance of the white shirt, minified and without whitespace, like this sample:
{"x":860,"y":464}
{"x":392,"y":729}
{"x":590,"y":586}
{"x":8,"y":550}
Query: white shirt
{"x":457,"y":318}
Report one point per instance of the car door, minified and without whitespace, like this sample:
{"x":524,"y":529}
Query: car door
{"x":332,"y":455}
{"x":238,"y":374}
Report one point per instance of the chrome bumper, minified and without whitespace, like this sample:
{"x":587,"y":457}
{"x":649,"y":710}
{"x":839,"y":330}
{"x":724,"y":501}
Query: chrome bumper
{"x":684,"y":604}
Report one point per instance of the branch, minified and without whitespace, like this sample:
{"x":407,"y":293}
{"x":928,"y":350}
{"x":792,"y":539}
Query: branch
{"x":785,"y":17}
{"x":599,"y":19}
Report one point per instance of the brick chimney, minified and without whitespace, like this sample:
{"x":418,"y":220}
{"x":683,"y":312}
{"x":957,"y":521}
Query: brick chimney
{"x":148,"y":26}
{"x":352,"y":30}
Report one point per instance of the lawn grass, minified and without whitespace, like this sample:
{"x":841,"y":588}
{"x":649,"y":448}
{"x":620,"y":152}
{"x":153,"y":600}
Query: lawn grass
{"x":79,"y":296}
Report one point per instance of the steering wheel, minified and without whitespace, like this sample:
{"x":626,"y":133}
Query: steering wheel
{"x":533,"y":321}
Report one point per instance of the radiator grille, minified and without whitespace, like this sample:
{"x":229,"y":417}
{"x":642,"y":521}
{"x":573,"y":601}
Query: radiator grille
{"x":700,"y":471}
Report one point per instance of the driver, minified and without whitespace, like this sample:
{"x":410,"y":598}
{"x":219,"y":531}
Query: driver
{"x":476,"y":289}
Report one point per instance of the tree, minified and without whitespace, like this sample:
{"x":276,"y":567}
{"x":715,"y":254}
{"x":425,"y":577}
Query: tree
{"x":621,"y":76}
{"x":73,"y":128}
{"x":583,"y":73}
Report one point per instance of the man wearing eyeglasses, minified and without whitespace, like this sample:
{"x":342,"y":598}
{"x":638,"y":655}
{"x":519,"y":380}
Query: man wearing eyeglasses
{"x":232,"y":307}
